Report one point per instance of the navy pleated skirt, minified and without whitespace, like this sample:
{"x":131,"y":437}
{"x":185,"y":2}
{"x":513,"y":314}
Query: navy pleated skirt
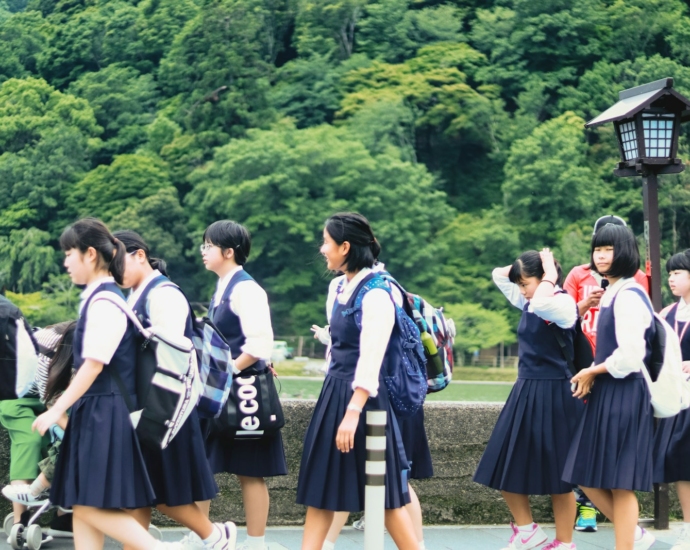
{"x":332,"y":480}
{"x":100,"y":462}
{"x":252,"y":458}
{"x":416,"y":445}
{"x":527,"y":450}
{"x":180,"y":474}
{"x":612,"y":446}
{"x":672,"y":449}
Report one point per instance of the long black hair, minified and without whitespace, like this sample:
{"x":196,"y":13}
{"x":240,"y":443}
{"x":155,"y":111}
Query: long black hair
{"x":626,"y":254}
{"x":133,"y":242}
{"x":528,"y":264}
{"x":60,"y":366}
{"x":228,"y":234}
{"x":356,"y":230}
{"x":93,"y":233}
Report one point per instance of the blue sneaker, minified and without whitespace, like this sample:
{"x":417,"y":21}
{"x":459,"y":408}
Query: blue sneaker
{"x":586,"y":518}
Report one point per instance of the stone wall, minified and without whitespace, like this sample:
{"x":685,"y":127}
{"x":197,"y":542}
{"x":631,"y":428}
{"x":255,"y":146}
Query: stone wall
{"x":457,"y":434}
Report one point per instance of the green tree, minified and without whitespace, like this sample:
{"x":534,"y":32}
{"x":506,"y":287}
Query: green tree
{"x":22,"y":39}
{"x":327,"y":27}
{"x":26,"y":259}
{"x":479,"y":328}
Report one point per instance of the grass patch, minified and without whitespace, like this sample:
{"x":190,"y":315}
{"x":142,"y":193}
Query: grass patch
{"x":485,"y":374}
{"x":310,"y":389}
{"x":291,"y":368}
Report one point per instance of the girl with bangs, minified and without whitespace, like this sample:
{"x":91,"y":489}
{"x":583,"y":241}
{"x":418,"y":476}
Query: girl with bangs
{"x":100,"y":469}
{"x":529,"y":444}
{"x":611,"y":452}
{"x":672,"y":437}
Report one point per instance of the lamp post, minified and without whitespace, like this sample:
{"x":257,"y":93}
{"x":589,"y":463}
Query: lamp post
{"x":647,"y":121}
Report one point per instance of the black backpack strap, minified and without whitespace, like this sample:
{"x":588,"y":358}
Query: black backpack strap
{"x":125,"y":394}
{"x":556,"y":330}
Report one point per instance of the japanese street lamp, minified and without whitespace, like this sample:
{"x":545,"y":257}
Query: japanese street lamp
{"x":647,"y":120}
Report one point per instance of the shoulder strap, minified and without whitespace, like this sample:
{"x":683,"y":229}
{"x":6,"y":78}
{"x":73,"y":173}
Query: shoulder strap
{"x":556,"y":330}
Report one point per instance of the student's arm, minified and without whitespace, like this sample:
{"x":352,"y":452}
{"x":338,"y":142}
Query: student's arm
{"x":250,"y":303}
{"x":559,"y":308}
{"x":510,"y":290}
{"x":168,"y":309}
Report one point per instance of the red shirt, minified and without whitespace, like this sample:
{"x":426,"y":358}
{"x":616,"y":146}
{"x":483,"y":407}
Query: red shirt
{"x":579,"y":284}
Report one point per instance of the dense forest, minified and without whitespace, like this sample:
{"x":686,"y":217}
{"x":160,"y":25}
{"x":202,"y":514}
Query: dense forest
{"x":456,"y":126}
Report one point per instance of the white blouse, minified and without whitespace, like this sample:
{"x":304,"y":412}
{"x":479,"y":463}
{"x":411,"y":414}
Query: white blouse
{"x":250,"y":303}
{"x":632,"y":319}
{"x":378,"y":320}
{"x":106,"y":324}
{"x":559,"y":308}
{"x":166,"y":306}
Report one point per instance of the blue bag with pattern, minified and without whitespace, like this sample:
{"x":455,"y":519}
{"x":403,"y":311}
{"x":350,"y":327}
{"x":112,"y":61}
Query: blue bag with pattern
{"x":404,"y":366}
{"x":215,"y":367}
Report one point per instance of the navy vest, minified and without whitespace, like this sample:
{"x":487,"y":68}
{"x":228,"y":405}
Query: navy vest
{"x":141,"y":309}
{"x":607,"y":342}
{"x":539,"y":354}
{"x":685,"y":341}
{"x":229,"y":324}
{"x":124,"y":359}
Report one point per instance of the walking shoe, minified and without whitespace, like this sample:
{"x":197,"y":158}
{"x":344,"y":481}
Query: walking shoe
{"x":586,"y":518}
{"x":683,"y":540}
{"x":645,"y":541}
{"x":228,"y":537}
{"x":192,"y":541}
{"x":61,"y":526}
{"x":558,"y":545}
{"x":359,"y":524}
{"x":524,"y":540}
{"x":21,"y":494}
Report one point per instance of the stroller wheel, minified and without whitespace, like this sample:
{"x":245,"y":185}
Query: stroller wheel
{"x":34,"y":537}
{"x":17,"y":536}
{"x":8,"y":523}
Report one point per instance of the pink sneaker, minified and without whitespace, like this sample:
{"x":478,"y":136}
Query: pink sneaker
{"x":558,"y":545}
{"x":524,"y":541}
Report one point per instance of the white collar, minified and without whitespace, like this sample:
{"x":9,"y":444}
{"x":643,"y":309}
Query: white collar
{"x":613,"y":289}
{"x":135,"y":294}
{"x":349,"y":287}
{"x":682,"y":305}
{"x":91,"y":287}
{"x":223,"y":283}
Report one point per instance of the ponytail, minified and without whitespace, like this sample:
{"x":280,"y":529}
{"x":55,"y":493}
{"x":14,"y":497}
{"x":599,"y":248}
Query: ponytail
{"x":132,"y":241}
{"x":93,"y":233}
{"x":355,"y":229}
{"x":159,"y":264}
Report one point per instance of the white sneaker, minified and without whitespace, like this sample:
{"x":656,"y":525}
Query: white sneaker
{"x":22,"y":494}
{"x":228,"y":538}
{"x":683,"y":540}
{"x":192,"y":541}
{"x":359,"y":524}
{"x":524,"y":541}
{"x":645,"y":541}
{"x":160,"y":545}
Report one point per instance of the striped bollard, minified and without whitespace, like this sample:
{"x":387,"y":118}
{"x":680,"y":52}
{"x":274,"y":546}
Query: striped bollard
{"x":375,"y":490}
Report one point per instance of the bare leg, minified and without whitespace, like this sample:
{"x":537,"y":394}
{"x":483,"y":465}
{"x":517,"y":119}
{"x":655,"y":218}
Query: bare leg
{"x":316,"y":526}
{"x":626,"y":512}
{"x":191,"y":517}
{"x":117,"y":524}
{"x":564,"y":511}
{"x":17,"y":508}
{"x":400,"y":527}
{"x":339,"y":521}
{"x":414,"y":509}
{"x":602,"y":499}
{"x":205,"y":507}
{"x":256,"y":502}
{"x":683,"y":489}
{"x":519,"y":507}
{"x":143,"y":517}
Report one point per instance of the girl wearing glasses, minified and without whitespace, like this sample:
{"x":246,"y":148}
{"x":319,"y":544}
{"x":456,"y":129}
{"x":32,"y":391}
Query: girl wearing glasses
{"x":239,"y":309}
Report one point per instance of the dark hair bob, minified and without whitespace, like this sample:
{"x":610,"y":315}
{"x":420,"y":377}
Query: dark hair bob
{"x":528,"y":264}
{"x":356,"y":230}
{"x":678,"y":262}
{"x":93,"y":233}
{"x":626,"y":254}
{"x":133,"y":242}
{"x":228,"y":234}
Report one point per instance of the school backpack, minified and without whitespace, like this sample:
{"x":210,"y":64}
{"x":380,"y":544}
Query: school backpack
{"x":404,"y":371}
{"x":172,"y":390}
{"x":668,"y":385}
{"x":437,"y":333}
{"x":583,"y":354}
{"x":18,"y":352}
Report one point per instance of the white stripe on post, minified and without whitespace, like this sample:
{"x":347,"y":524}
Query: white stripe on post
{"x":375,"y":490}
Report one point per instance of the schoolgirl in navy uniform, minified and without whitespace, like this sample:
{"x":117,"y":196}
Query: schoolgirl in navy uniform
{"x":611,"y":452}
{"x":240,"y":311}
{"x":100,"y":469}
{"x":529,"y":445}
{"x":672,"y":437}
{"x":331,"y":474}
{"x":180,"y":473}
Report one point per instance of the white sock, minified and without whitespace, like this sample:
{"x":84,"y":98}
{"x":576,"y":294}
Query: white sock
{"x":37,"y":487}
{"x":214,"y":537}
{"x":638,"y":532}
{"x":328,"y":545}
{"x":526,"y":528}
{"x":255,"y":543}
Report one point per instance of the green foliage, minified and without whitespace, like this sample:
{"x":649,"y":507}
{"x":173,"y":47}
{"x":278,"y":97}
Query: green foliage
{"x":479,"y":328}
{"x":26,"y":259}
{"x":56,"y":302}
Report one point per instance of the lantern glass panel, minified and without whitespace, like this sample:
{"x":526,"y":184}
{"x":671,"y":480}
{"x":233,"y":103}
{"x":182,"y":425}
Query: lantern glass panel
{"x":628,"y":137}
{"x":658,"y":134}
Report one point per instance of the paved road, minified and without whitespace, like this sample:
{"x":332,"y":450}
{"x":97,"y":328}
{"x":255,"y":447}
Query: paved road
{"x":437,"y":538}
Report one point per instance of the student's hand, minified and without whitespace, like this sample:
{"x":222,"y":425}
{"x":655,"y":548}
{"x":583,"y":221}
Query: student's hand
{"x":345,"y":438}
{"x":686,"y":367}
{"x":584,"y":381}
{"x":549,"y":264}
{"x":322,"y":334}
{"x":46,"y":420}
